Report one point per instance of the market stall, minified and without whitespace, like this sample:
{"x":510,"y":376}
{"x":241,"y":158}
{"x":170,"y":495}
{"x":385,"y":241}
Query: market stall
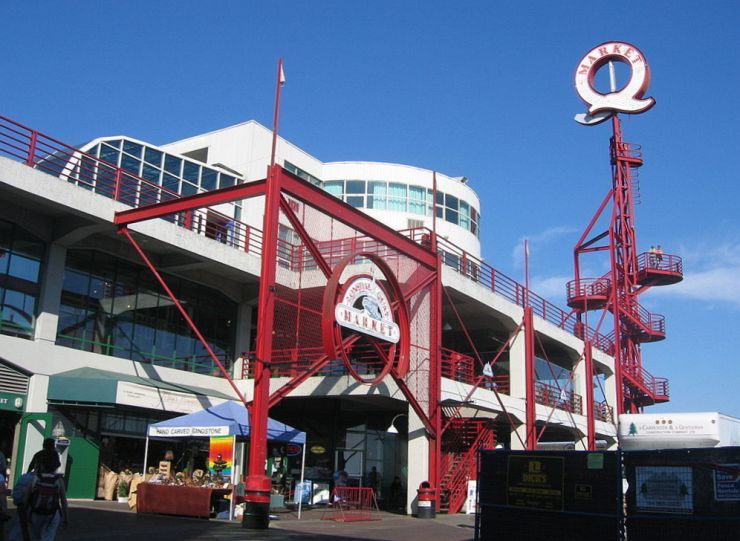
{"x":195,"y":493}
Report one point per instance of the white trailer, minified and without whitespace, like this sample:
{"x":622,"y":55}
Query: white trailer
{"x":678,"y":430}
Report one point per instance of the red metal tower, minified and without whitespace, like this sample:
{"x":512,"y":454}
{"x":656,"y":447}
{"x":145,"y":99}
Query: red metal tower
{"x":630,"y":274}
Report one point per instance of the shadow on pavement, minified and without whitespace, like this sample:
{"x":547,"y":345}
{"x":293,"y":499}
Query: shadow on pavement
{"x":108,"y":521}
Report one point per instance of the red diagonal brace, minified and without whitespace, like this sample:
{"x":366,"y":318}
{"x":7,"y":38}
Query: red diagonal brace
{"x":183,"y":313}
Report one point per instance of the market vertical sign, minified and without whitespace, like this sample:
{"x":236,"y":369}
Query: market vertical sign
{"x":535,"y":482}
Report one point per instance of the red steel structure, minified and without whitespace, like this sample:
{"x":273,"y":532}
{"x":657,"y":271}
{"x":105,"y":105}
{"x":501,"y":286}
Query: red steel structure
{"x":631,"y":274}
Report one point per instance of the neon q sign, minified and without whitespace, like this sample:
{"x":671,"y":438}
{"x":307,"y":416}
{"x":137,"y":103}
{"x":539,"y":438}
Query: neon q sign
{"x":628,"y":99}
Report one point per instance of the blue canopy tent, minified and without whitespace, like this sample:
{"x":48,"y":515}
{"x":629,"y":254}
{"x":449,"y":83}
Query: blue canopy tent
{"x":225,"y":419}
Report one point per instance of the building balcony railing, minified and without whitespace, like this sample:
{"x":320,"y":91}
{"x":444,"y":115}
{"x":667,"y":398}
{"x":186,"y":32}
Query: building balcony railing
{"x":88,"y":172}
{"x":460,"y":367}
{"x":549,"y":395}
{"x":199,"y":364}
{"x":603,"y":412}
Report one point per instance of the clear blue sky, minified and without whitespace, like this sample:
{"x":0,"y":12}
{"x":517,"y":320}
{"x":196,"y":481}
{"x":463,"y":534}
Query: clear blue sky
{"x":475,"y":88}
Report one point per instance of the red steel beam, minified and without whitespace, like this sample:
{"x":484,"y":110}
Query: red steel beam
{"x":191,"y":202}
{"x":589,"y":369}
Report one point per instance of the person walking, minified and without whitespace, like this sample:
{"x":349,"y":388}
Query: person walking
{"x":47,"y":502}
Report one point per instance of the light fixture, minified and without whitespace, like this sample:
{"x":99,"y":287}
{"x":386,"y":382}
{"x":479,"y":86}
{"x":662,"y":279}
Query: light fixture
{"x":446,"y":326}
{"x":392,"y":429}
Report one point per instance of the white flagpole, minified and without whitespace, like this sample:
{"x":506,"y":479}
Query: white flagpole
{"x":303,"y":469}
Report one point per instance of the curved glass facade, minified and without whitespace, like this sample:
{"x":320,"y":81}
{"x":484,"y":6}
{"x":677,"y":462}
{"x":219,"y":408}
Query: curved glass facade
{"x":21,"y":256}
{"x":410,"y":198}
{"x":114,"y":307}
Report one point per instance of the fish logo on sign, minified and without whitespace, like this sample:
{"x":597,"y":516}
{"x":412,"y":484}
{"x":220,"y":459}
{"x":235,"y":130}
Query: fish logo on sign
{"x":629,"y":99}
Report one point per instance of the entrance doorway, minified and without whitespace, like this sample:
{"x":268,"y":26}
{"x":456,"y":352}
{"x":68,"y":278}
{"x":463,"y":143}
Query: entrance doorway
{"x":351,"y":461}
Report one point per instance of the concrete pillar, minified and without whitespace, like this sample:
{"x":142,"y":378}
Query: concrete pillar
{"x":518,"y":382}
{"x":418,"y":460}
{"x":50,"y":296}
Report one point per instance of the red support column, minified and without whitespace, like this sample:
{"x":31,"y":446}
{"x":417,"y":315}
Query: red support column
{"x":589,"y":383}
{"x":258,"y":484}
{"x":435,"y":383}
{"x":531,"y":376}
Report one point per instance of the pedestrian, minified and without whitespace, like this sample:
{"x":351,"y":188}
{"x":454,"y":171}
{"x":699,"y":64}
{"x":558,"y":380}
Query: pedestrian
{"x":47,"y":502}
{"x":373,"y":480}
{"x":48,"y":451}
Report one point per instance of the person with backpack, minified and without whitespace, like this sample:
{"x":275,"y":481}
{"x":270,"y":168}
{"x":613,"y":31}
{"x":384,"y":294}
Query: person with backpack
{"x":45,"y":502}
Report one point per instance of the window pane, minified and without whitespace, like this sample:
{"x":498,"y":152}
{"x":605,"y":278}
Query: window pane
{"x":129,"y":147}
{"x":109,"y":154}
{"x":335,"y":188}
{"x":452,"y":202}
{"x":24,"y":268}
{"x":188,"y":189}
{"x":171,"y":183}
{"x":130,"y":164}
{"x":356,"y":201}
{"x":208,"y":179}
{"x":190,"y":172}
{"x":172,"y":164}
{"x":226,"y":180}
{"x":150,"y":173}
{"x":152,"y":156}
{"x":355,"y":186}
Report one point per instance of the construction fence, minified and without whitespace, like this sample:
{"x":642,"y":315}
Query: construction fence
{"x":681,"y":494}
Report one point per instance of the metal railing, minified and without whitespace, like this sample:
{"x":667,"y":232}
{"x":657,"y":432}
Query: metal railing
{"x":549,"y":395}
{"x":660,"y":262}
{"x":603,"y":412}
{"x":90,"y":173}
{"x":460,"y":367}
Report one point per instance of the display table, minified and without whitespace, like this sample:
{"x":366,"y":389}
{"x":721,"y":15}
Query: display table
{"x":177,"y":500}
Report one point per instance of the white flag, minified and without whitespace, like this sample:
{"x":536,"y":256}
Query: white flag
{"x":282,"y":75}
{"x":488,"y":370}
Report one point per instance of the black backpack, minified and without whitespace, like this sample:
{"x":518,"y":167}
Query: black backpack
{"x":45,"y":495}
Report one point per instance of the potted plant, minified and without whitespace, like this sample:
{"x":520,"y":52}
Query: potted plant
{"x":123,"y":487}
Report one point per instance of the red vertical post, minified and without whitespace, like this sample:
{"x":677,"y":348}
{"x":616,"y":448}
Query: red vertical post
{"x":589,"y":383}
{"x":258,"y":484}
{"x":435,"y":382}
{"x":31,"y":156}
{"x":531,"y":376}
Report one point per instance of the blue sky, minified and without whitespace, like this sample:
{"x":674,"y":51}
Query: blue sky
{"x":481,"y":89}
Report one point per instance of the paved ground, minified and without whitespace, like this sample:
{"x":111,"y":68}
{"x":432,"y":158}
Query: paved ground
{"x":111,"y":521}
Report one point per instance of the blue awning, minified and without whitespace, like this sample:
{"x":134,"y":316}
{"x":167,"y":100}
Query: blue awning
{"x":226,"y":419}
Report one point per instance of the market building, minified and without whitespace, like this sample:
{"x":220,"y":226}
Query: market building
{"x":92,"y":350}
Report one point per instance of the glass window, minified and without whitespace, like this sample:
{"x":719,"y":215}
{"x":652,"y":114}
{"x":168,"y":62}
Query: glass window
{"x":130,"y":164}
{"x":227,"y":180}
{"x":150,"y":173}
{"x":122,"y":315}
{"x":20,"y":258}
{"x":464,"y":215}
{"x":171,"y":183}
{"x":208,"y":179}
{"x":335,"y":188}
{"x":134,"y":149}
{"x":355,"y":187}
{"x":190,"y":172}
{"x":188,"y":189}
{"x":376,"y":195}
{"x":417,"y":199}
{"x":109,"y":154}
{"x":153,"y":157}
{"x":357,"y":201}
{"x":397,"y":196}
{"x":172,"y":165}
